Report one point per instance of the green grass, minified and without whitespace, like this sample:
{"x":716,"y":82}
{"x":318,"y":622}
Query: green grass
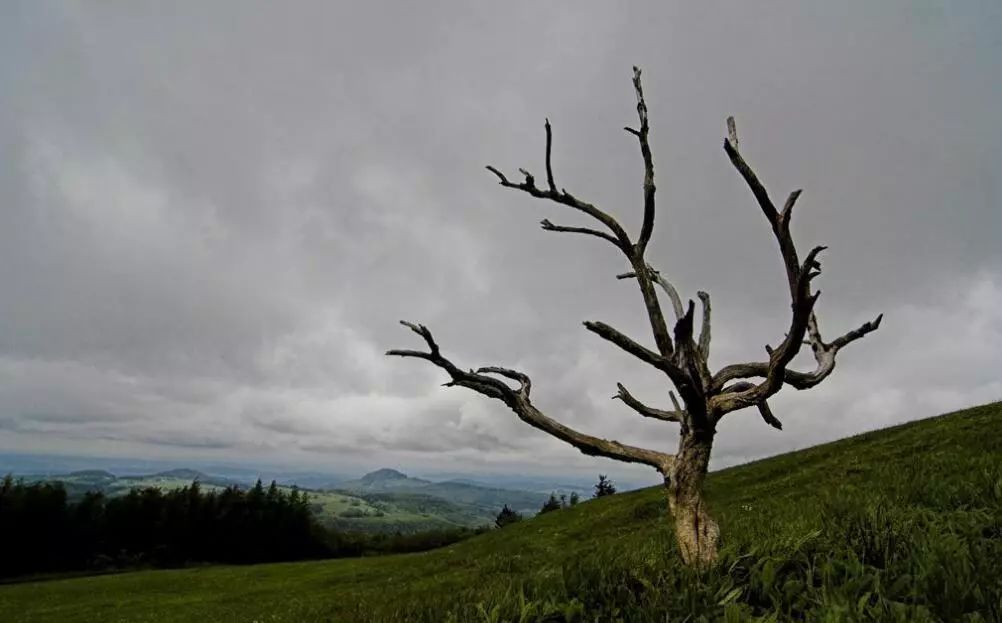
{"x":903,"y":524}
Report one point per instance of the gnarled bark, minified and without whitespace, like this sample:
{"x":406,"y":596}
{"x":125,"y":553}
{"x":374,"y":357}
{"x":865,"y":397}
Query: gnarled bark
{"x":697,"y":533}
{"x":679,"y":352}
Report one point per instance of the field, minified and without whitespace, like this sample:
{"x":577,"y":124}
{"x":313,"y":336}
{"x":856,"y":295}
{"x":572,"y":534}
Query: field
{"x":903,"y":524}
{"x":394,"y":512}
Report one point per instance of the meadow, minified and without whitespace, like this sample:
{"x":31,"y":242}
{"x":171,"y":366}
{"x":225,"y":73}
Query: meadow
{"x":902,"y":524}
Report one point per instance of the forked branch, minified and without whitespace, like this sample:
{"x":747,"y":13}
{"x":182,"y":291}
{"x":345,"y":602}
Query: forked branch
{"x":644,"y":410}
{"x":799,"y":277}
{"x":669,"y":289}
{"x":645,"y":151}
{"x":803,"y":321}
{"x":824,"y":355}
{"x":519,"y":402}
{"x":763,"y":407}
{"x":618,"y":235}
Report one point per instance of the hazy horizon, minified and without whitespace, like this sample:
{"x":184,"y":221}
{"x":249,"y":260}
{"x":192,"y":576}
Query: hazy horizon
{"x":18,"y":464}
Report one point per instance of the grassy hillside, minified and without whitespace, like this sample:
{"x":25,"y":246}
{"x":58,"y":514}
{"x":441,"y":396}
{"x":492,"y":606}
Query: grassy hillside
{"x":903,"y":524}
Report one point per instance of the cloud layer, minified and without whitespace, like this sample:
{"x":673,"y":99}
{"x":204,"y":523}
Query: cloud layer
{"x":213,"y":217}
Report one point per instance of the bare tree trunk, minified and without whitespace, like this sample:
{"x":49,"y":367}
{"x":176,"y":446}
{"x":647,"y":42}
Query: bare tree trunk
{"x":697,"y":533}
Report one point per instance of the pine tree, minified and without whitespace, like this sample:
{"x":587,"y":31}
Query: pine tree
{"x":507,"y":516}
{"x":604,"y":487}
{"x":552,"y":504}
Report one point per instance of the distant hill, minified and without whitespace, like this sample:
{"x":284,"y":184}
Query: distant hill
{"x":183,"y":474}
{"x":384,"y":479}
{"x":97,"y":475}
{"x":385,"y":500}
{"x":174,"y":478}
{"x":382,"y":501}
{"x":392,"y":501}
{"x":385,"y":474}
{"x":483,"y":499}
{"x":534,"y":485}
{"x":79,"y":482}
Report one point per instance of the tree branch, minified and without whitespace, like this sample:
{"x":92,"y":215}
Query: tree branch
{"x":824,"y":355}
{"x":766,"y":413}
{"x":765,"y":203}
{"x":855,"y":334}
{"x":524,"y":381}
{"x":549,"y":166}
{"x":644,"y":410}
{"x":704,"y":332}
{"x":674,"y":402}
{"x":548,"y":226}
{"x":687,"y":357}
{"x":799,"y":279}
{"x":565,"y":198}
{"x":642,"y":353}
{"x":656,"y":277}
{"x":763,"y":407}
{"x":645,"y":150}
{"x":518,"y":401}
{"x":658,"y":325}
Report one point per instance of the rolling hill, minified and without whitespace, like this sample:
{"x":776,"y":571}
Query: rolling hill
{"x":902,"y":524}
{"x":382,"y":501}
{"x":483,"y":499}
{"x":384,"y":479}
{"x":99,"y":481}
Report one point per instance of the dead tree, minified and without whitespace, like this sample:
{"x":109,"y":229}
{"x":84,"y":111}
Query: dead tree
{"x":680,"y":353}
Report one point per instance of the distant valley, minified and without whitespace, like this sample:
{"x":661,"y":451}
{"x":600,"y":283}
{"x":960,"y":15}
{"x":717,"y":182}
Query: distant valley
{"x":382,"y":501}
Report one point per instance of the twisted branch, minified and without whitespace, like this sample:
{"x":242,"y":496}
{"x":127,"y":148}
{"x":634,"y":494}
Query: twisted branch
{"x":824,"y":355}
{"x":763,"y":407}
{"x":799,"y":277}
{"x":518,"y":401}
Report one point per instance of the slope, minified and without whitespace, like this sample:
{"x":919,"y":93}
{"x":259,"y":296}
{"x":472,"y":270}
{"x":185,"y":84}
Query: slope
{"x":900,"y":524}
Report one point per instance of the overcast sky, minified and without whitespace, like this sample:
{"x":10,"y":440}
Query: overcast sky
{"x":212,"y":215}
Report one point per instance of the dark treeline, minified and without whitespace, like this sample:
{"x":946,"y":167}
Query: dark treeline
{"x":45,"y":532}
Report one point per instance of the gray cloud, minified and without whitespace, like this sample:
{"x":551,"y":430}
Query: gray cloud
{"x":213,"y":218}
